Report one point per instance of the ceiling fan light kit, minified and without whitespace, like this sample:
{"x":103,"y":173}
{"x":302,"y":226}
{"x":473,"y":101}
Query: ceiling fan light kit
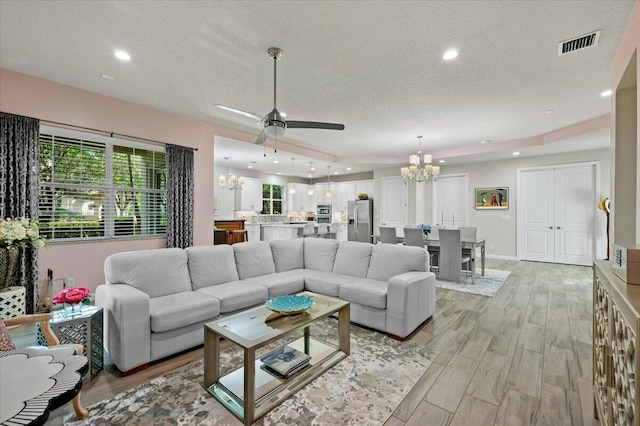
{"x":274,"y":123}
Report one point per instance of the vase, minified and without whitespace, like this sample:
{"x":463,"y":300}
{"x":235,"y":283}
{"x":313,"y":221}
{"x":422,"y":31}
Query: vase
{"x":73,"y":308}
{"x":8,"y":261}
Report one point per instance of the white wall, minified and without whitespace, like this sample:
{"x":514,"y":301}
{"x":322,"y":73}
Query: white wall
{"x":501,"y":234}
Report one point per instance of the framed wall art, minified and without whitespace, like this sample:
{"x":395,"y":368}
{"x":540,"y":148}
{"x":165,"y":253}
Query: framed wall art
{"x":492,"y":198}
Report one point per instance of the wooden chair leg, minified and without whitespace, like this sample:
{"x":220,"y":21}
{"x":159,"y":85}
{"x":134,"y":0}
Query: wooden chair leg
{"x":81,"y":412}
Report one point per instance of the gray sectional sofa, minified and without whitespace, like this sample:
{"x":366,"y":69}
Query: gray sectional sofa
{"x":156,"y":301}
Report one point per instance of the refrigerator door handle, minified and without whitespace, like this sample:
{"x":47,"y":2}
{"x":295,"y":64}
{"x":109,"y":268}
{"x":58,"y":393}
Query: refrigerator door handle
{"x":355,"y":215}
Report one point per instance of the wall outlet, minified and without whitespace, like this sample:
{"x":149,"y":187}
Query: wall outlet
{"x":69,"y":282}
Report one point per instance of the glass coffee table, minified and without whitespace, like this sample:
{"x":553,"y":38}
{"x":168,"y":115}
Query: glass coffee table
{"x":250,"y":392}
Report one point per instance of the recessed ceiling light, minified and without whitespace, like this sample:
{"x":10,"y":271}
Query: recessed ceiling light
{"x":550,"y":111}
{"x":309,"y":175}
{"x":335,"y":173}
{"x":276,"y":161}
{"x":278,"y":173}
{"x":349,"y":168}
{"x":313,"y":169}
{"x":107,"y":77}
{"x":450,"y":54}
{"x":122,"y":55}
{"x":250,"y":166}
{"x":606,"y":93}
{"x":485,"y":141}
{"x":516,"y":153}
{"x":441,"y":161}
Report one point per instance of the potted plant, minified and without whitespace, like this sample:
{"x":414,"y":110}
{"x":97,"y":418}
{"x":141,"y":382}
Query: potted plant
{"x":15,"y":233}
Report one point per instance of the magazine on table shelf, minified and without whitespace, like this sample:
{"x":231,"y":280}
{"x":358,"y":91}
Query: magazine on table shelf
{"x":285,"y":361}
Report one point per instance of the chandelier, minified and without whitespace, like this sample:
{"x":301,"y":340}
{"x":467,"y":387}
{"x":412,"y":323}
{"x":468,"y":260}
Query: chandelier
{"x":234,"y":182}
{"x":417,"y":171}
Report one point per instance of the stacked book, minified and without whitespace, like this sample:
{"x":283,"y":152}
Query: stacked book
{"x":285,"y":362}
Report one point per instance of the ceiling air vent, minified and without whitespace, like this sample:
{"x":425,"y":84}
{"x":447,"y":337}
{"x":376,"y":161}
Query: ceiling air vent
{"x":578,"y":43}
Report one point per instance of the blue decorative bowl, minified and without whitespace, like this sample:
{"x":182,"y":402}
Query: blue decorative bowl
{"x":289,"y":305}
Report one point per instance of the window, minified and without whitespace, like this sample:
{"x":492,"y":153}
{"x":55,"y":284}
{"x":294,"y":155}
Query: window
{"x":94,"y":187}
{"x":272,"y":199}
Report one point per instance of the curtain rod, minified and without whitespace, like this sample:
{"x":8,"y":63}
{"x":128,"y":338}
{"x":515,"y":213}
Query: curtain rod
{"x":107,"y":133}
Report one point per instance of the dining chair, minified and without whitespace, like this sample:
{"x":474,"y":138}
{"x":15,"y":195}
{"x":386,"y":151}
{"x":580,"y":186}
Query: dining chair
{"x":434,"y":251}
{"x":388,"y":235}
{"x":413,"y":237}
{"x":309,"y":230}
{"x":323,"y":230}
{"x":434,"y":232}
{"x":469,"y":233}
{"x":451,"y":257}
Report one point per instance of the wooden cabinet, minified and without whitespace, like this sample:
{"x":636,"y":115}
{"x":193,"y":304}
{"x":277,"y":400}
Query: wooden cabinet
{"x":616,"y":322}
{"x":249,"y":198}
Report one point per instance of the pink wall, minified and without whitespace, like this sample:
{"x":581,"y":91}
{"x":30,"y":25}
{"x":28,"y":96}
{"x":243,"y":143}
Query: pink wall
{"x":46,"y":100}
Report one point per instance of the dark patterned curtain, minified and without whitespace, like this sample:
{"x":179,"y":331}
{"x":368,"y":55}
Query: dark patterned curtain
{"x":19,"y":163}
{"x":179,"y":196}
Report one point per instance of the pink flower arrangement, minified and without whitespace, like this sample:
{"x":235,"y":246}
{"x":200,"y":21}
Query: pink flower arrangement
{"x":72,"y":295}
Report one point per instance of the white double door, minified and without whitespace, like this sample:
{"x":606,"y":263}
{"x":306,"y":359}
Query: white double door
{"x":556,"y":214}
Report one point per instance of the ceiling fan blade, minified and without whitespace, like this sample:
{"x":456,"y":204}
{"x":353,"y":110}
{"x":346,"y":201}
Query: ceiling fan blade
{"x":313,"y":125}
{"x":238,"y":111}
{"x":262,"y":137}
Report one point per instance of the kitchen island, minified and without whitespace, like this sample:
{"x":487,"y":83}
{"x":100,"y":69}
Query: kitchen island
{"x":282,"y":231}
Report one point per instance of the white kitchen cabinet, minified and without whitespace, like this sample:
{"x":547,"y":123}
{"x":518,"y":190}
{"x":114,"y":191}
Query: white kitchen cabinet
{"x":301,"y":201}
{"x":321,"y":193}
{"x":249,"y":198}
{"x":279,"y":232}
{"x":366,"y":186}
{"x":253,"y":231}
{"x":345,"y":192}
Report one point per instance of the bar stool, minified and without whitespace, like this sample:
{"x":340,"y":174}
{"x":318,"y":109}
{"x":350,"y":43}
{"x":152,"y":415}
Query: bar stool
{"x":238,"y":236}
{"x":309,"y":230}
{"x":323,"y":230}
{"x":333,"y":231}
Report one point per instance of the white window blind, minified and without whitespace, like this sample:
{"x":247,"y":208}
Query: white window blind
{"x":100,"y":189}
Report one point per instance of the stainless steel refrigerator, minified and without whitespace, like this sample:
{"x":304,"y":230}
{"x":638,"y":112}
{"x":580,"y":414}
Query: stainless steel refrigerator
{"x":360,"y":220}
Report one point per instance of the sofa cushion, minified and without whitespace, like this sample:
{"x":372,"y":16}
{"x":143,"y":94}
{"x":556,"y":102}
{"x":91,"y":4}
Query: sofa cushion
{"x":326,"y":283}
{"x":388,"y":260}
{"x":320,"y":254}
{"x":253,"y":259}
{"x":353,"y":259}
{"x":366,"y":292}
{"x":237,"y":294}
{"x":211,"y":265}
{"x":156,"y":272}
{"x":281,"y":283}
{"x":288,"y":254}
{"x":181,"y":309}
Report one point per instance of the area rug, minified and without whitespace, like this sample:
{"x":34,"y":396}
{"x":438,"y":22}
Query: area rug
{"x":487,"y":285}
{"x":364,"y":388}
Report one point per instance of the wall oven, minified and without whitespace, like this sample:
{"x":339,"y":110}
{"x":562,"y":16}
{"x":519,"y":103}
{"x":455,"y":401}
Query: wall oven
{"x":323,"y":213}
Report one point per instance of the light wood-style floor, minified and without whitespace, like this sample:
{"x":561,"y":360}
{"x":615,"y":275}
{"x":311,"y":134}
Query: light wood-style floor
{"x":521,"y":357}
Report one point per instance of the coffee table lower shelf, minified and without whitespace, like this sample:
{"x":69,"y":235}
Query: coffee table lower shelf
{"x":271,"y":391}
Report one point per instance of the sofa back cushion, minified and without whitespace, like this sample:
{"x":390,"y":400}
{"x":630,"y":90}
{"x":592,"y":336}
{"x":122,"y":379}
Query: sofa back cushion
{"x":320,"y":254}
{"x":288,"y":254}
{"x":158,"y":272}
{"x":388,"y":260}
{"x":211,"y":265}
{"x":353,"y":259}
{"x":253,"y":259}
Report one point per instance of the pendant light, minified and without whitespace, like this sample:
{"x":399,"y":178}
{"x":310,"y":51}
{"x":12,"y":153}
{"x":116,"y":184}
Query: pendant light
{"x":328,"y":193}
{"x":292,"y":187}
{"x":311,"y":169}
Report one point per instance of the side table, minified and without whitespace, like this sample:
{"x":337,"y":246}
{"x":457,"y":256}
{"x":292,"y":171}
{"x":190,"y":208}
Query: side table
{"x":83,"y":326}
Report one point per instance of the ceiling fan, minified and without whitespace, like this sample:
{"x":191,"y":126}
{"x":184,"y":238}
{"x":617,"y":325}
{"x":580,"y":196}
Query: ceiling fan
{"x":274,"y":122}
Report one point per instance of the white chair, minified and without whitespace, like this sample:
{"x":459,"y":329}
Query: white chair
{"x":434,"y":232}
{"x":333,"y":231}
{"x":469,"y":233}
{"x":323,"y":230}
{"x":309,"y":230}
{"x":413,"y":237}
{"x":388,"y":235}
{"x":451,"y":258}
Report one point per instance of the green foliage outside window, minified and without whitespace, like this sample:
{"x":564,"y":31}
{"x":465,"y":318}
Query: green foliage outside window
{"x":272,"y":199}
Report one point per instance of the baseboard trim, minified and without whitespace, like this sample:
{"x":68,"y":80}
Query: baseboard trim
{"x":497,"y":256}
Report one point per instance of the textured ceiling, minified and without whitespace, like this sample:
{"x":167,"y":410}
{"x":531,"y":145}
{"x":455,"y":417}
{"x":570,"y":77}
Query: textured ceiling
{"x":377,"y":67}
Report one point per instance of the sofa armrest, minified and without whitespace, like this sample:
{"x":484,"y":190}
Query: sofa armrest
{"x":411,"y":300}
{"x":127,"y":324}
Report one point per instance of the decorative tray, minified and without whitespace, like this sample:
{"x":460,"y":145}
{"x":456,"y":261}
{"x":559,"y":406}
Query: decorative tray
{"x":289,"y":305}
